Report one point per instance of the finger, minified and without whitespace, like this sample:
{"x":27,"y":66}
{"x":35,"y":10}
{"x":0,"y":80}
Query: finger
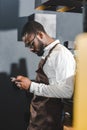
{"x":19,"y":85}
{"x":13,"y":79}
{"x":19,"y":77}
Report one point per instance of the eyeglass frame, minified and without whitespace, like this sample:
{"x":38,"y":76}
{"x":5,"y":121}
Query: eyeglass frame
{"x":31,"y":43}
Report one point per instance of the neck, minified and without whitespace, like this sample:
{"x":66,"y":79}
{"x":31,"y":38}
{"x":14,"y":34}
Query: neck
{"x":49,"y":41}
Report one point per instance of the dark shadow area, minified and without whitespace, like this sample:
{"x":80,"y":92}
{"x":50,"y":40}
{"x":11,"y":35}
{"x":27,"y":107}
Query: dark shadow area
{"x":14,"y":103}
{"x":9,"y":18}
{"x":9,"y":14}
{"x":21,"y":22}
{"x":85,"y":17}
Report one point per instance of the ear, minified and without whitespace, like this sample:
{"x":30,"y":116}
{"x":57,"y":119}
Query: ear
{"x":40,"y":34}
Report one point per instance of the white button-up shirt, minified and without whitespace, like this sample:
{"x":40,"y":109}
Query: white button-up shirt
{"x":60,"y":70}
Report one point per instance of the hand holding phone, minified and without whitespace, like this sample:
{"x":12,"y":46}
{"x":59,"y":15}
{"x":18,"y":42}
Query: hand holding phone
{"x":21,"y":82}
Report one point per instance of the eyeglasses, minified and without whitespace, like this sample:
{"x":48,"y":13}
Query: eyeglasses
{"x":30,"y":44}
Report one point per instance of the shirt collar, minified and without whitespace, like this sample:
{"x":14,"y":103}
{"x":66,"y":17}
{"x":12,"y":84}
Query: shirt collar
{"x":51,"y":45}
{"x":47,"y":48}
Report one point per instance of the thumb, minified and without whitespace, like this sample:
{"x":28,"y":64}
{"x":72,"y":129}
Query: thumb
{"x":19,"y":77}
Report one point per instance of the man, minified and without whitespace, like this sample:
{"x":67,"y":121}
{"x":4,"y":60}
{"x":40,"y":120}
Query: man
{"x":54,"y":80}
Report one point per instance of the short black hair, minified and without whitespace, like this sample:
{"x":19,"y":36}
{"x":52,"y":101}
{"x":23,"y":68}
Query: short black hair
{"x":32,"y":27}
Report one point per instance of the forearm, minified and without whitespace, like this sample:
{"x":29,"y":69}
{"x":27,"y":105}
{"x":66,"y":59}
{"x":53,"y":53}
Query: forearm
{"x":59,"y":90}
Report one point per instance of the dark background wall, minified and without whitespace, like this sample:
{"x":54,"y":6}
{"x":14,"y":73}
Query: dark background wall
{"x":15,"y":59}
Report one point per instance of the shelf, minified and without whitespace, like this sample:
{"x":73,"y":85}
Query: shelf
{"x":75,"y":6}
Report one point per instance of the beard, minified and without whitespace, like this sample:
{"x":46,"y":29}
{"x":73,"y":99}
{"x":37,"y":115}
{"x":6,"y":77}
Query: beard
{"x":40,"y":48}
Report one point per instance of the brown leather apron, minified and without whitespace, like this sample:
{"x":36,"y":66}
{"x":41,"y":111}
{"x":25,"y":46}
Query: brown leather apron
{"x":46,"y":113}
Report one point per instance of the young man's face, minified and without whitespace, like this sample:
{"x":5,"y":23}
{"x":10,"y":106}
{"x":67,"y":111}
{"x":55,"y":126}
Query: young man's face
{"x":34,"y":43}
